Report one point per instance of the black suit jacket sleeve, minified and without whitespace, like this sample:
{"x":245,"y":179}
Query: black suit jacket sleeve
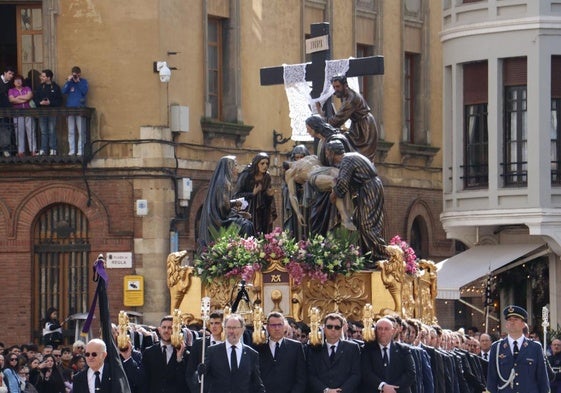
{"x":132,"y":371}
{"x":301,"y":379}
{"x":353,"y":381}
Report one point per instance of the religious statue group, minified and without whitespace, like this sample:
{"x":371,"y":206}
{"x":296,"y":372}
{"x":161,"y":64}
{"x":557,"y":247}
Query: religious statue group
{"x":339,"y":186}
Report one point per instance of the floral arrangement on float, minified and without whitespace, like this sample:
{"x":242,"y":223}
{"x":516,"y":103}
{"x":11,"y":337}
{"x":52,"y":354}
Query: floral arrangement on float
{"x":411,"y":265}
{"x":323,"y":257}
{"x":319,"y":257}
{"x":231,"y":255}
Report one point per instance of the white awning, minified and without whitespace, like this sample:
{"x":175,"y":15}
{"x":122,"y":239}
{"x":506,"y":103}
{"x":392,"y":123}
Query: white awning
{"x":459,"y":270}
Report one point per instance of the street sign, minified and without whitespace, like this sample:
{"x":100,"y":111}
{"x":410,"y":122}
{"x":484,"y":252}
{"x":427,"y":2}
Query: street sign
{"x":119,"y":260}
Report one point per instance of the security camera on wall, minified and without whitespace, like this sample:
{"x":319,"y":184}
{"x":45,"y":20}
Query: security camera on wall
{"x":164,"y":71}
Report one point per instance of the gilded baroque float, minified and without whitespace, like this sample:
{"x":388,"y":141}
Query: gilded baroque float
{"x":272,"y":282}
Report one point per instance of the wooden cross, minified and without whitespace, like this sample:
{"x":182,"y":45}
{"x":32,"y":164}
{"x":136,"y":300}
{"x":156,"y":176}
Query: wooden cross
{"x":315,"y":70}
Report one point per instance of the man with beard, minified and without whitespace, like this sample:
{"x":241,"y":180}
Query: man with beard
{"x":163,"y":365}
{"x":363,"y":133}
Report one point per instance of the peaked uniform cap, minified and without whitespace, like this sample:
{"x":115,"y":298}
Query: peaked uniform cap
{"x":515,"y":311}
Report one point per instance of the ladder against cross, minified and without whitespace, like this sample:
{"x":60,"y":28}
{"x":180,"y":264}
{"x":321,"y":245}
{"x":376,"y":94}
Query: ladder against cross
{"x":320,"y":52}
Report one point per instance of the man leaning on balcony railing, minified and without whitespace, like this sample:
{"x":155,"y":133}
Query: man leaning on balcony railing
{"x":5,"y":126}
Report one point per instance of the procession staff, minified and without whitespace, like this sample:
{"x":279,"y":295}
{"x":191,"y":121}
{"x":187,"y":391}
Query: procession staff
{"x":517,"y":364}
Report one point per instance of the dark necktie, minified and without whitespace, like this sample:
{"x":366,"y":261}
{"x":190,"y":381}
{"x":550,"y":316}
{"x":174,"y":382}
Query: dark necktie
{"x":485,"y":356}
{"x":165,"y":353}
{"x":277,"y":346}
{"x":332,"y":355}
{"x":212,"y":342}
{"x":97,"y":383}
{"x":385,"y":357}
{"x":515,"y":350}
{"x":233,"y":360}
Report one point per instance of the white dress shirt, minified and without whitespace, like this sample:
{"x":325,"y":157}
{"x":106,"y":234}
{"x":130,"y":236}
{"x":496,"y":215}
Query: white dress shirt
{"x":238,"y":352}
{"x":91,"y":378}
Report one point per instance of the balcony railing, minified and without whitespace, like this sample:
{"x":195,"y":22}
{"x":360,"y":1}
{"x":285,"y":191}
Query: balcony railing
{"x":7,"y":126}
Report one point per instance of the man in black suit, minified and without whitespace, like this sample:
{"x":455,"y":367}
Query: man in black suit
{"x":97,"y":377}
{"x":215,"y":327}
{"x":281,"y":360}
{"x":334,"y":366}
{"x":163,"y":366}
{"x":232,"y":366}
{"x":387,"y":366}
{"x":485,"y":342}
{"x":429,"y":338}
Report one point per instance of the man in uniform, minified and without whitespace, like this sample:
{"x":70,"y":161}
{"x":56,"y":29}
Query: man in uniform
{"x":517,"y":364}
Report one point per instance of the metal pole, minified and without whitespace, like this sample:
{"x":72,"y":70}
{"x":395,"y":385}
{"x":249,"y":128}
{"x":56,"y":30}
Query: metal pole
{"x":205,"y":310}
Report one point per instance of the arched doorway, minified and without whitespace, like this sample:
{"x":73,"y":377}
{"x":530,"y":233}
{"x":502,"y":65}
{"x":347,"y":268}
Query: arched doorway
{"x":419,"y":237}
{"x":60,"y":268}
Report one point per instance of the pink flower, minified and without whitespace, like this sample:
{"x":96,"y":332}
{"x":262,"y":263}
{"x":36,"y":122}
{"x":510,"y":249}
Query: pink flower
{"x":408,"y":254}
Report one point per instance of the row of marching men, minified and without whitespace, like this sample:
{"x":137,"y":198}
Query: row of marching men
{"x":395,"y":356}
{"x":398,"y":355}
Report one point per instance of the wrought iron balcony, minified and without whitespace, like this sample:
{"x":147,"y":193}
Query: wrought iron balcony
{"x":7,"y":126}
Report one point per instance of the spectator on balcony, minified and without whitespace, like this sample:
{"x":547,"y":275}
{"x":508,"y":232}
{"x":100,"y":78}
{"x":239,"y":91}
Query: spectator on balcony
{"x":5,"y":126}
{"x":48,"y":95}
{"x":76,"y":88}
{"x":20,"y":96}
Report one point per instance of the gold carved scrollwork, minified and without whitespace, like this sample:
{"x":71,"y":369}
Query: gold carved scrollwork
{"x":176,"y":333}
{"x":297,"y":303}
{"x":427,"y":291}
{"x":123,"y":339}
{"x":219,"y":292}
{"x":258,"y":335}
{"x":393,"y":276}
{"x":368,"y":333}
{"x":179,"y":278}
{"x":408,"y":290}
{"x":315,"y":336}
{"x":345,"y":295}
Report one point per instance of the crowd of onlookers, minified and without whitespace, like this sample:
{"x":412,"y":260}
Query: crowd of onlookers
{"x":27,"y":368}
{"x":39,"y":90}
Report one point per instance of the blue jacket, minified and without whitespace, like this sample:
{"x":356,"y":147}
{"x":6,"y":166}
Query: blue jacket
{"x":76,"y":92}
{"x":530,"y":373}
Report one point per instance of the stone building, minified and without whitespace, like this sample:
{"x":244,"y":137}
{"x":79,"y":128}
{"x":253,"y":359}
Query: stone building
{"x":129,"y":194}
{"x":502,"y":61}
